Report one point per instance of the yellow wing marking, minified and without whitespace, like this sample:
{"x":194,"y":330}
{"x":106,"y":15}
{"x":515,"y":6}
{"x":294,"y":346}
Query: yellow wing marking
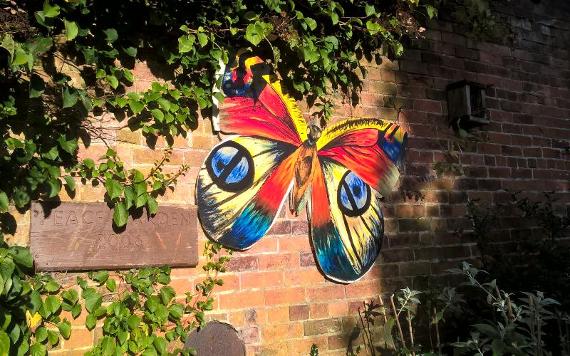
{"x":332,"y":132}
{"x":294,"y":111}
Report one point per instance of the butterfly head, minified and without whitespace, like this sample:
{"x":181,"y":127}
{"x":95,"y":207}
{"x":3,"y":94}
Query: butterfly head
{"x":314,"y":134}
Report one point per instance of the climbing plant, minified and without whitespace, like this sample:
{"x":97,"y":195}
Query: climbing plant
{"x":63,"y":63}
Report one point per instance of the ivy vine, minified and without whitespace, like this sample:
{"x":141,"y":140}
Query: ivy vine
{"x":65,"y":62}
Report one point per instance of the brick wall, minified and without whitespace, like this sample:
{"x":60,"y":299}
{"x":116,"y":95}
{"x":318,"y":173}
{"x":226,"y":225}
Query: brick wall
{"x":274,"y":294}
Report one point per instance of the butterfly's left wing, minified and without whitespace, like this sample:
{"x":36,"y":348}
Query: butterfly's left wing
{"x":358,"y":161}
{"x":241,"y":187}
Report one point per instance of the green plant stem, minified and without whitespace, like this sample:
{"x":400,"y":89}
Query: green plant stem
{"x":396,"y":316}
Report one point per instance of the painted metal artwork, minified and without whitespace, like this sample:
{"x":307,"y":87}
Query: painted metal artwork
{"x":340,"y":173}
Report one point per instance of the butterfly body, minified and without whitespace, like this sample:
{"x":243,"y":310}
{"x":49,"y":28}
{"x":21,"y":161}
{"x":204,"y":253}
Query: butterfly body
{"x":340,"y":174}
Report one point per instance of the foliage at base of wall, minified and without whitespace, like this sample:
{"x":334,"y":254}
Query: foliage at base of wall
{"x":138,"y":311}
{"x":490,"y":320}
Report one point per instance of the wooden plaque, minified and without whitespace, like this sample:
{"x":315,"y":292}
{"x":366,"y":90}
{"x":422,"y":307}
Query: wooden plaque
{"x":81,"y":236}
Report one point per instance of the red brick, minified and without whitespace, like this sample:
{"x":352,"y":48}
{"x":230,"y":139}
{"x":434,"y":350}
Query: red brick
{"x":261,"y":279}
{"x":333,"y":292}
{"x":298,"y":312}
{"x":289,"y":295}
{"x":241,"y":300}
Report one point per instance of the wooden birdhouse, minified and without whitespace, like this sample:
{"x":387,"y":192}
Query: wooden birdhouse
{"x":466,"y":105}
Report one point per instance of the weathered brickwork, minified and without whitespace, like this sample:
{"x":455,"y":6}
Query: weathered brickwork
{"x":273,"y":293}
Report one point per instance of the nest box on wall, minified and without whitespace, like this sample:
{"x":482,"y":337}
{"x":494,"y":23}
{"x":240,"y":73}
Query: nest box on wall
{"x":466,"y":105}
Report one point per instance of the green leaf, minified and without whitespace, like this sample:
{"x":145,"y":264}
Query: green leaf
{"x":53,"y":337}
{"x":64,"y":328}
{"x":71,"y":29}
{"x":130,"y":51}
{"x":114,"y":188}
{"x":99,"y":276}
{"x":166,"y":294}
{"x":431,"y":11}
{"x":70,"y":97}
{"x":52,"y":304}
{"x":111,"y":285}
{"x":113,"y":81}
{"x":136,"y":106}
{"x":133,"y":322}
{"x":4,"y":343}
{"x":369,"y":9}
{"x":49,"y":10}
{"x":120,"y":215}
{"x":152,"y":205}
{"x":70,"y":183}
{"x":92,"y":299}
{"x":90,"y":322}
{"x":41,"y":334}
{"x":52,"y":286}
{"x":37,"y":86}
{"x":9,"y":45}
{"x":4,"y":202}
{"x":69,"y":146}
{"x":38,"y":349}
{"x":257,"y":31}
{"x":71,"y":296}
{"x":334,"y":18}
{"x":76,"y":311}
{"x":374,"y":27}
{"x":311,"y":23}
{"x":186,"y":43}
{"x":158,"y":114}
{"x":54,"y":187}
{"x":202,"y":39}
{"x":111,"y":35}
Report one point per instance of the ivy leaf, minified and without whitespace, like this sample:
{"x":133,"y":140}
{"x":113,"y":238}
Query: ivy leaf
{"x":311,"y":23}
{"x":70,"y":296}
{"x":257,"y":31}
{"x":113,"y":81}
{"x":99,"y":276}
{"x":133,"y":322}
{"x":54,"y":187}
{"x":76,"y":311}
{"x":120,"y":215}
{"x":52,"y":304}
{"x":69,"y":146}
{"x":157,"y":114}
{"x":37,"y":86}
{"x":4,"y":202}
{"x":71,"y":29}
{"x":136,"y":106}
{"x":70,"y":183}
{"x":166,"y":294}
{"x":49,"y":10}
{"x":202,"y":39}
{"x":111,"y":285}
{"x":369,"y":10}
{"x":374,"y":27}
{"x":52,"y":286}
{"x":9,"y":45}
{"x":64,"y":328}
{"x":53,"y":337}
{"x":92,"y":299}
{"x":186,"y":43}
{"x":431,"y":11}
{"x":90,"y":322}
{"x":41,"y":334}
{"x":152,"y":205}
{"x":114,"y":188}
{"x":38,"y":349}
{"x":130,"y":51}
{"x":111,"y":35}
{"x":70,"y":97}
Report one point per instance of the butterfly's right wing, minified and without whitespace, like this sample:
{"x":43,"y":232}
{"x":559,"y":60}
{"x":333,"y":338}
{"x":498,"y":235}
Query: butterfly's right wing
{"x":241,"y":187}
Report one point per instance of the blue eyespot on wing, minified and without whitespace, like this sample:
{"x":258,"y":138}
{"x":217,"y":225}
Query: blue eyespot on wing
{"x":346,"y":222}
{"x":241,"y":188}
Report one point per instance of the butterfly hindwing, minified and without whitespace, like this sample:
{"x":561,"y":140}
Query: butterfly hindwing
{"x":241,"y":188}
{"x":346,"y":222}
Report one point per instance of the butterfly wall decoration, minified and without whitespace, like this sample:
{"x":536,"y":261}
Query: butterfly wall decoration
{"x":339,"y":173}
